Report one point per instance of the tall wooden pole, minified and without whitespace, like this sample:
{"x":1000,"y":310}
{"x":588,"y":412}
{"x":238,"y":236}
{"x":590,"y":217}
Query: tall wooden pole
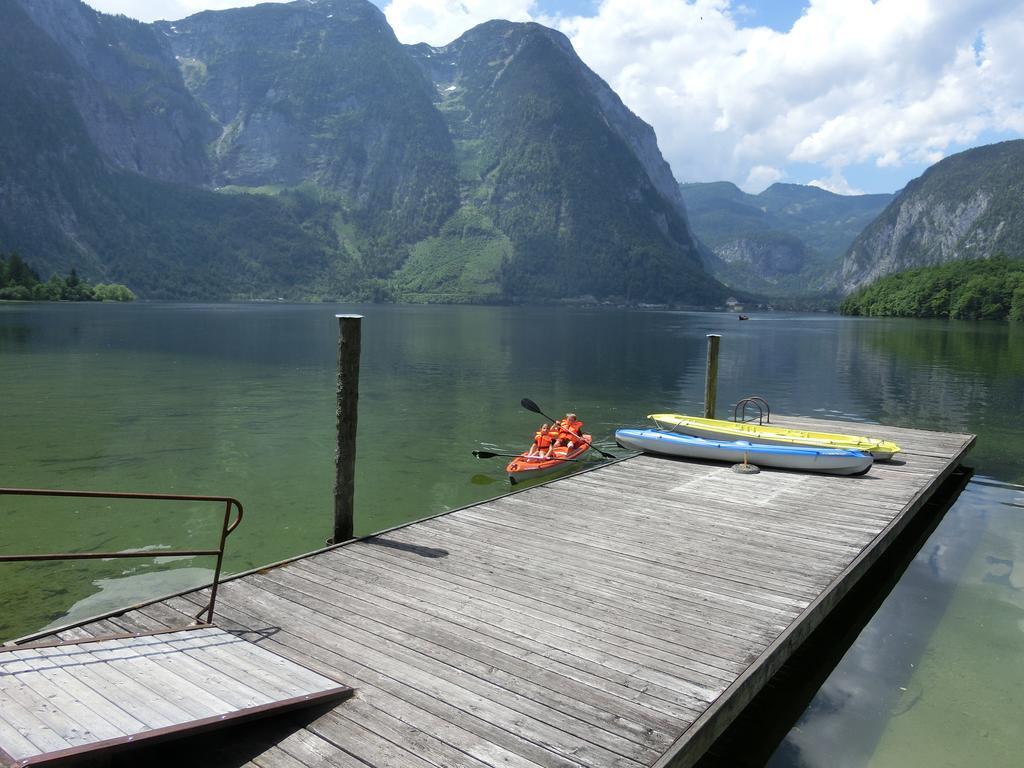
{"x":711,"y":376}
{"x":349,"y":343}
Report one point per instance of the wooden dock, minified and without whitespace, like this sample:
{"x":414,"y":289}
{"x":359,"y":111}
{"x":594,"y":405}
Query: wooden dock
{"x":621,"y":617}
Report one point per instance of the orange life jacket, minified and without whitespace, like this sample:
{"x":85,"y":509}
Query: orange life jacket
{"x":571,"y":430}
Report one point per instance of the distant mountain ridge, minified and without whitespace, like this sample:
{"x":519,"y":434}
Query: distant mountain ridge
{"x":347,"y":164}
{"x":967,"y":206}
{"x":789,"y":239}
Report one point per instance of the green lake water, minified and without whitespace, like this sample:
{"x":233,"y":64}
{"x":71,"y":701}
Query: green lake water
{"x":239,"y":400}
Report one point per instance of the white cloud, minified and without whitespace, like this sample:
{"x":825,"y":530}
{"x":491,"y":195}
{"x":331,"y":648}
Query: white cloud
{"x":852,"y":82}
{"x":762,"y":176}
{"x":836,"y":183}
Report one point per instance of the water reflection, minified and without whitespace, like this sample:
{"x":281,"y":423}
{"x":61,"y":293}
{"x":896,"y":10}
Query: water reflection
{"x":948,"y":376}
{"x":934,"y":678}
{"x":14,"y":338}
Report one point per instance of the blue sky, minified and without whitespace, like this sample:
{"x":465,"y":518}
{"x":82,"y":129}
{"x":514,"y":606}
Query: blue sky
{"x":778,"y":15}
{"x":851,"y":95}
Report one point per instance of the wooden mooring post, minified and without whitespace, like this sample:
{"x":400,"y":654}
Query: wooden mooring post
{"x":349,"y":343}
{"x":711,"y":376}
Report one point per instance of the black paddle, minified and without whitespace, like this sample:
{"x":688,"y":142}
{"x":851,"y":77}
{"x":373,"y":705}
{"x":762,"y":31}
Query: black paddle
{"x":491,"y":455}
{"x":529,"y":405}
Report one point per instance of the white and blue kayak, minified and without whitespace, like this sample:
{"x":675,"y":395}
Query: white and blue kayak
{"x":835,"y":461}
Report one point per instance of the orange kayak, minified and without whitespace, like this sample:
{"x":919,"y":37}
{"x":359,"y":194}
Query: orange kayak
{"x":525,"y":467}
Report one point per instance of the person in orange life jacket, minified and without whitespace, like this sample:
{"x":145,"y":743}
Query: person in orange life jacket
{"x":554,"y":433}
{"x":542,"y":442}
{"x":570,"y":431}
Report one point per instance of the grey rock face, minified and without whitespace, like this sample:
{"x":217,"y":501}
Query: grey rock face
{"x":129,"y":92}
{"x":442,"y":67}
{"x":638,"y":134}
{"x":768,"y":259}
{"x":968,"y":206}
{"x":319,"y":93}
{"x":925,"y":231}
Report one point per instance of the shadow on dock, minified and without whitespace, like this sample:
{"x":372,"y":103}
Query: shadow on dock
{"x":413,"y":549}
{"x":232,"y":748}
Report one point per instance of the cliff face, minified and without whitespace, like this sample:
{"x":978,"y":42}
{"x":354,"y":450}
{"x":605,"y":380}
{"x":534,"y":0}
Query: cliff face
{"x":498,"y":167}
{"x":66,"y":202}
{"x":967,"y":206}
{"x":44,"y":147}
{"x":770,"y":258}
{"x":323,"y":94}
{"x":126,"y":87}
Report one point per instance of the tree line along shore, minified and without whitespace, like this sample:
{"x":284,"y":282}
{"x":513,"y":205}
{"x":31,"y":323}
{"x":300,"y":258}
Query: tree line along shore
{"x":981,"y":289}
{"x":20,"y":282}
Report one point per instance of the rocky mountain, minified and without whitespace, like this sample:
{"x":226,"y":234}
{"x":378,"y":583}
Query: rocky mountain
{"x":967,"y":206}
{"x":128,"y":91}
{"x":299,"y":150}
{"x":322,"y":94}
{"x":789,"y":239}
{"x":568,"y":180}
{"x":71,"y":194}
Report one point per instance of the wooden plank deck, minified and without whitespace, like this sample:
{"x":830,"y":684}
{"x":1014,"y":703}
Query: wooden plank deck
{"x":620,"y":617}
{"x":59,"y":701}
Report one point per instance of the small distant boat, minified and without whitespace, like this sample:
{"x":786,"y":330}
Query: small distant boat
{"x":831,"y":461}
{"x":769,"y":434}
{"x":744,"y":317}
{"x":526,"y":467}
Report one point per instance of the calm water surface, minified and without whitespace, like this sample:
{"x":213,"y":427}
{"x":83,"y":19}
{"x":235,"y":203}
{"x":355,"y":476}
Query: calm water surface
{"x":239,"y":400}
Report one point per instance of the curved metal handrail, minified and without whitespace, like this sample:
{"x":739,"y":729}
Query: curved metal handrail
{"x":764,"y":411}
{"x":229,"y":524}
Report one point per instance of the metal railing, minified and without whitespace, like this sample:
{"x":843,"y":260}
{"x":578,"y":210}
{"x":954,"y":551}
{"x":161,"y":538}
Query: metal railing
{"x":227,"y":527}
{"x":755,"y":403}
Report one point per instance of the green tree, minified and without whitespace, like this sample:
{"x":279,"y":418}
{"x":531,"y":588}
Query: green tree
{"x":1016,"y":313}
{"x":19,"y":282}
{"x":51,"y":290}
{"x":112,"y":292}
{"x":14,"y":271}
{"x":15,"y":293}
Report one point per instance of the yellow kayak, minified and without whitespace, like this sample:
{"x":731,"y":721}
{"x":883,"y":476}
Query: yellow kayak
{"x":719,"y":429}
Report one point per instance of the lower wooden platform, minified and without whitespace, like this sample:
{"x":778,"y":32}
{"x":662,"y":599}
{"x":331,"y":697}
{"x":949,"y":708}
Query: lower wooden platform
{"x":619,"y":617}
{"x":60,"y":702}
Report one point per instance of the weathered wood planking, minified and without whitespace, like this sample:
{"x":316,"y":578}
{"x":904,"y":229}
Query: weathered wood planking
{"x":62,"y":701}
{"x":620,"y":617}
